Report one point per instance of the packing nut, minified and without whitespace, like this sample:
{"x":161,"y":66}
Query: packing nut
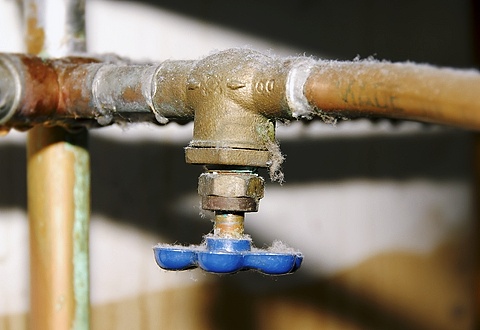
{"x":231,"y":184}
{"x":230,"y":191}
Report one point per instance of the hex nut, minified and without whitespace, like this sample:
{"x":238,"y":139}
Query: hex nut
{"x":231,"y":184}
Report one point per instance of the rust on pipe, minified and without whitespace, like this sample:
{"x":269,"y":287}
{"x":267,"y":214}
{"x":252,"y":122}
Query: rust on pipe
{"x":81,"y":91}
{"x":48,"y":89}
{"x":396,"y":90}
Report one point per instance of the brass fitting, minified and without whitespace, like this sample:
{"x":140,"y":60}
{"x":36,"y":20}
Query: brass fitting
{"x":236,"y":191}
{"x":230,"y":193}
{"x":236,"y":96}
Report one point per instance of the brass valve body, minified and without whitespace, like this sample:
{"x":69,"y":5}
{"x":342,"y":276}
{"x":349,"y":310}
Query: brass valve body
{"x":236,"y":96}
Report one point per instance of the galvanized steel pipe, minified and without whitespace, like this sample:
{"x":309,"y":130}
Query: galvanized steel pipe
{"x":81,"y":91}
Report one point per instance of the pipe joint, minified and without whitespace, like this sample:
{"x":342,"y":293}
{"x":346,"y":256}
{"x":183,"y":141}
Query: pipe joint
{"x":236,"y":96}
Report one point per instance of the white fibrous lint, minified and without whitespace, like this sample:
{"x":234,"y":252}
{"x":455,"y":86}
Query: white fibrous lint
{"x":297,"y":77}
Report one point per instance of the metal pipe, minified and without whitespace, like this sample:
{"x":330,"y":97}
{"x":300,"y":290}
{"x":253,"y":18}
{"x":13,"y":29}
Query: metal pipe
{"x":396,"y":90}
{"x":40,"y":90}
{"x":58,"y":175}
{"x":235,"y":97}
{"x":58,"y":182}
{"x":80,"y":91}
{"x":248,"y":84}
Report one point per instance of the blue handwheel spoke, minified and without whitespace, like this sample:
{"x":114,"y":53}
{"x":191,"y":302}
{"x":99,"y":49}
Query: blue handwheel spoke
{"x":174,"y":258}
{"x":226,"y":256}
{"x":270,"y":263}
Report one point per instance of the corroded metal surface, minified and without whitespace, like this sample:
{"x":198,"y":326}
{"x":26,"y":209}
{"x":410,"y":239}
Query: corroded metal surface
{"x":46,"y":91}
{"x":82,"y":92}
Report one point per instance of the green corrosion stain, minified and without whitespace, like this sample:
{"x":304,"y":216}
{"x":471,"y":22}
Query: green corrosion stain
{"x":81,"y":286}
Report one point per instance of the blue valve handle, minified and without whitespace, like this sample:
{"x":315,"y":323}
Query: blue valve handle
{"x":224,"y":256}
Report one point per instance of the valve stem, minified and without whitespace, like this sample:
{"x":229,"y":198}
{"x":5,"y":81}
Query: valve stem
{"x":229,"y":224}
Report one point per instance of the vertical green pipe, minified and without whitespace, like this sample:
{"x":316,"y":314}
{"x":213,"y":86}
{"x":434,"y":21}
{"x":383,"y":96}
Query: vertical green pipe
{"x":81,"y":192}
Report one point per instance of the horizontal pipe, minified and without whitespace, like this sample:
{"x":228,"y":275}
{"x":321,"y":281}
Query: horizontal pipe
{"x":75,"y":91}
{"x":84,"y":92}
{"x":39,"y":90}
{"x":396,"y":90}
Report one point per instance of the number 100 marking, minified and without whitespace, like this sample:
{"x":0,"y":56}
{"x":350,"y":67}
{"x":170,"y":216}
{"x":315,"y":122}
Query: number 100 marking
{"x":265,"y":86}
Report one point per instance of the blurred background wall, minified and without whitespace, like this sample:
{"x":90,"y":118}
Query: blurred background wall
{"x":382,"y":210}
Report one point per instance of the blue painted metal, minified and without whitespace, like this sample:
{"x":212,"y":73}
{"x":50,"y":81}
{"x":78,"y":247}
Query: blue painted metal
{"x":226,"y":256}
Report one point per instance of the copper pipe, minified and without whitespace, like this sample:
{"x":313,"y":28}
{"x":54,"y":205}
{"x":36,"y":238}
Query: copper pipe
{"x":58,"y":207}
{"x":396,"y":90}
{"x":58,"y":175}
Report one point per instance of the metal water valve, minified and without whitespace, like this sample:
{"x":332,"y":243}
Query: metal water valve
{"x":229,"y":193}
{"x":235,"y":106}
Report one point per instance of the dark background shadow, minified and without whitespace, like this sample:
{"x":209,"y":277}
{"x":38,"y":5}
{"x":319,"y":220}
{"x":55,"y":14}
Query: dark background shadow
{"x":437,"y":32}
{"x":141,"y":183}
